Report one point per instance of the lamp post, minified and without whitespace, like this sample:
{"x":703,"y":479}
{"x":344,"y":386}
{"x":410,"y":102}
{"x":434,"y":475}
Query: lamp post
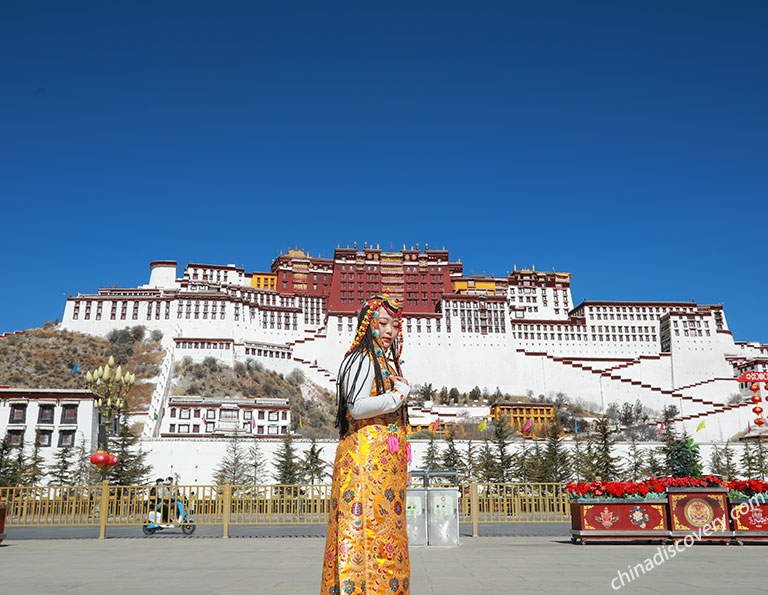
{"x":109,"y":387}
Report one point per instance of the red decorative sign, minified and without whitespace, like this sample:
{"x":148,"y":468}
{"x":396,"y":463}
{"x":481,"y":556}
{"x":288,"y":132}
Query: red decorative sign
{"x":754,"y":377}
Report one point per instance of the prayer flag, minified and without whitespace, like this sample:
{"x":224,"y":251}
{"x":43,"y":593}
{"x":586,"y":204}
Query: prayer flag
{"x":689,"y":442}
{"x":155,"y":417}
{"x":527,"y":425}
{"x":301,"y":422}
{"x":483,"y":424}
{"x":76,"y":368}
{"x":702,"y":425}
{"x":437,"y":425}
{"x":661,"y":428}
{"x":749,"y":428}
{"x":617,"y":428}
{"x":576,"y":426}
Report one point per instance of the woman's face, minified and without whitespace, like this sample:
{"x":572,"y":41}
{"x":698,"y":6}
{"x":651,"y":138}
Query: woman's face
{"x":389,"y":327}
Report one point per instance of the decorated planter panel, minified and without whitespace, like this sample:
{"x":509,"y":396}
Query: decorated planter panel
{"x":699,"y":510}
{"x":749,"y":518}
{"x":619,"y":519}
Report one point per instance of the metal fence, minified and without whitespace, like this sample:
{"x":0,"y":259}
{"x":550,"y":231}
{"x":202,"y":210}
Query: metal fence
{"x":108,"y":505}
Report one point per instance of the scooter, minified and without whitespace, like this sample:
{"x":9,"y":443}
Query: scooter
{"x":155,"y":520}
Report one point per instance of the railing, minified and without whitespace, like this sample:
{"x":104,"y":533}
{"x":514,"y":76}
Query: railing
{"x":228,"y":505}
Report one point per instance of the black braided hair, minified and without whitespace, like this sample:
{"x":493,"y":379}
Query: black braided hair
{"x":365,"y":348}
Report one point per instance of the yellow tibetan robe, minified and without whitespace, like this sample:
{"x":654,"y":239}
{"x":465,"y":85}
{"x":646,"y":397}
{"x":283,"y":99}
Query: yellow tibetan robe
{"x":366,"y":550}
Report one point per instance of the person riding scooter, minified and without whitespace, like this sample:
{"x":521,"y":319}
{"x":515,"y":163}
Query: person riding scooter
{"x":169,"y":501}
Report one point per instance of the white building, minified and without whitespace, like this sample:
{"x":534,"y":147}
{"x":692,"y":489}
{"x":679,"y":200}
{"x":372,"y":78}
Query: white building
{"x":54,"y":418}
{"x":519,"y":333}
{"x":195,"y":416}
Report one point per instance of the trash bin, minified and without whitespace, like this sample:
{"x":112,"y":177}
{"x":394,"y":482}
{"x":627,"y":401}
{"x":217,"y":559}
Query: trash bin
{"x":416,"y":509}
{"x":443,"y":508}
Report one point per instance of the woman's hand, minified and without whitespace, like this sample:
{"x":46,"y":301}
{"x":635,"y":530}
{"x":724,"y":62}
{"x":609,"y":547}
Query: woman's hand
{"x":400,"y":379}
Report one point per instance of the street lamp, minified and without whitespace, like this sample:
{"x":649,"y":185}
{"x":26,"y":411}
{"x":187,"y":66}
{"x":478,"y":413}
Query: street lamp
{"x":109,"y":387}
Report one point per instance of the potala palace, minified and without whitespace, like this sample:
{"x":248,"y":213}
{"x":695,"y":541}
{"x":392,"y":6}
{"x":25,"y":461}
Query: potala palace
{"x":519,"y":332}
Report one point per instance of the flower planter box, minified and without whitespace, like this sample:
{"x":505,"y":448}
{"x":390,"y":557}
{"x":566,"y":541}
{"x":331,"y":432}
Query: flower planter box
{"x":619,"y":519}
{"x":749,"y":518}
{"x":2,"y":522}
{"x":691,"y":510}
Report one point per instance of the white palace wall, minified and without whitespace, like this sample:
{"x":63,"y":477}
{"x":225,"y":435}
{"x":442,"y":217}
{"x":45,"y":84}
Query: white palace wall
{"x":194,"y":460}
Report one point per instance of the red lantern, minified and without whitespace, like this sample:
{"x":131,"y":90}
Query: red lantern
{"x":759,"y":421}
{"x":757,"y":410}
{"x":104,"y":459}
{"x":754,"y":387}
{"x":755,"y":399}
{"x":99,"y":458}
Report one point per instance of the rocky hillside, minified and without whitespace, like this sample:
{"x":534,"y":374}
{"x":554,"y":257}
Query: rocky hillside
{"x":45,"y":358}
{"x":313,"y":409}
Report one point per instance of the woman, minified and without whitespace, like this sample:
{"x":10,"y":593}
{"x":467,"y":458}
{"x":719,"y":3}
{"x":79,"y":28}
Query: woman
{"x":366,"y":550}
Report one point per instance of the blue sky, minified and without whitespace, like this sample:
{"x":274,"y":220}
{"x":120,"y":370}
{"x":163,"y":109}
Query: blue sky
{"x":624,"y":142}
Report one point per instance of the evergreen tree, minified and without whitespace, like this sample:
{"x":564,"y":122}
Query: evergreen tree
{"x":504,"y":460}
{"x":452,"y":457}
{"x":19,"y":465}
{"x":635,"y":468}
{"x":716,"y":461}
{"x":34,"y":471}
{"x":728,"y":458}
{"x":288,"y":466}
{"x":556,"y":463}
{"x":84,"y":473}
{"x":761,"y":459}
{"x":8,"y":475}
{"x":234,"y":468}
{"x":468,"y":471}
{"x":521,"y":464}
{"x":534,"y":463}
{"x":61,"y":469}
{"x":314,"y":466}
{"x":131,"y":468}
{"x":682,"y":457}
{"x":578,"y":462}
{"x":444,"y":395}
{"x":453,"y":395}
{"x":257,"y":466}
{"x":606,"y":466}
{"x":748,"y":461}
{"x":654,"y":466}
{"x":431,"y":459}
{"x":668,"y":433}
{"x":486,"y":463}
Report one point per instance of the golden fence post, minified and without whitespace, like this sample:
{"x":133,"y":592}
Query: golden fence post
{"x":473,"y":507}
{"x":227,"y":509}
{"x":104,"y":509}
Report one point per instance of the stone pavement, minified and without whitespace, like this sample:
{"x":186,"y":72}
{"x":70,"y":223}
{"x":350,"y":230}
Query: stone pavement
{"x":483,"y":565}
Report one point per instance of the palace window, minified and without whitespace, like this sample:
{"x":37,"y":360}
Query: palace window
{"x":69,"y":414}
{"x":18,"y":414}
{"x":45,"y":414}
{"x":66,"y":438}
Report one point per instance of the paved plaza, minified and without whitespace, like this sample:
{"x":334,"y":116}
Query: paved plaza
{"x":482,"y":565}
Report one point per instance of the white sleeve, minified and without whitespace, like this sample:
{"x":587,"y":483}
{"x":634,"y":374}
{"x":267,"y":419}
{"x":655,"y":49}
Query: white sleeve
{"x":363,"y":404}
